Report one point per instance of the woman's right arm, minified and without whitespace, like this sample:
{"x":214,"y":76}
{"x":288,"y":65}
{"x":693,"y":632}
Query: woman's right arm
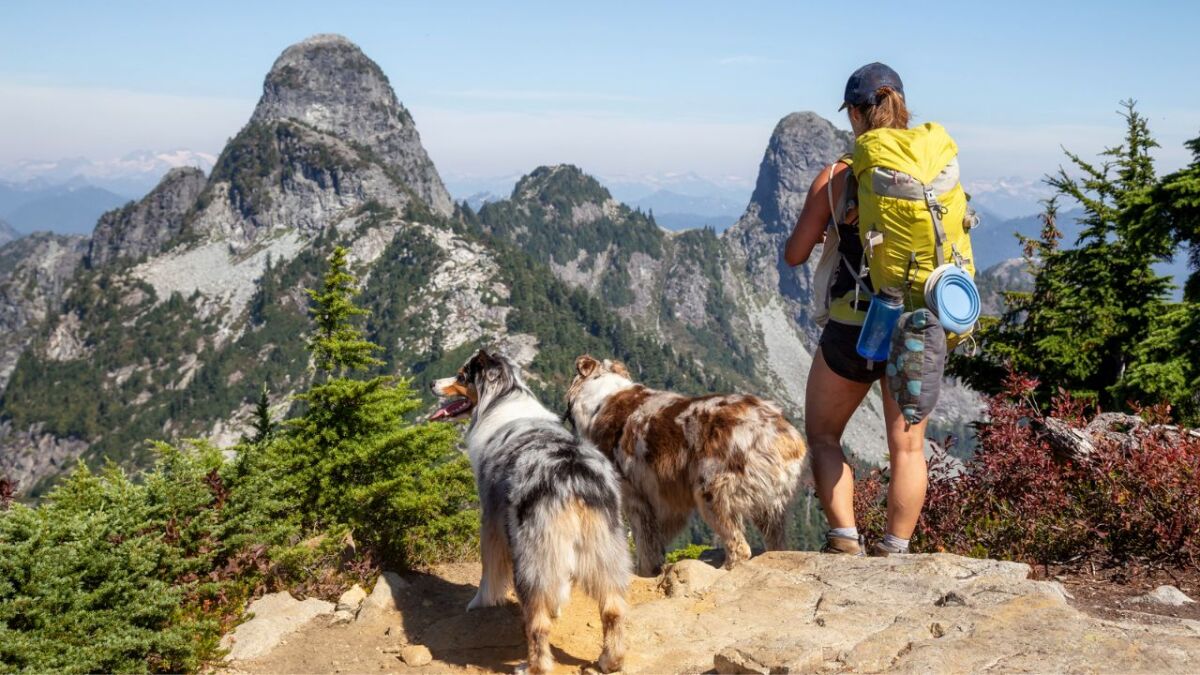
{"x":810,"y":226}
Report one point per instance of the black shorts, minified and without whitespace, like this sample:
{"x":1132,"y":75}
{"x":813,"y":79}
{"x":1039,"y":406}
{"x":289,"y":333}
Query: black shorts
{"x":839,"y":343}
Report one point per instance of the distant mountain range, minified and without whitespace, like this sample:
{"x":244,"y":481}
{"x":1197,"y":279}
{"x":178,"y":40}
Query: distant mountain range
{"x":1010,"y":197}
{"x":70,"y":208}
{"x":680,"y":201}
{"x":130,"y":176}
{"x":68,"y":196}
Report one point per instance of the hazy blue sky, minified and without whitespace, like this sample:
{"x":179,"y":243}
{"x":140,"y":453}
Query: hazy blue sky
{"x":498,"y":88}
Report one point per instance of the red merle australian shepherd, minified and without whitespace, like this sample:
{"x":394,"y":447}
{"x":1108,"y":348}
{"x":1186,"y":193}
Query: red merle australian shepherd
{"x":731,"y":457}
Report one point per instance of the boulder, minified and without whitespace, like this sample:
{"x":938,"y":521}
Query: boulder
{"x":384,"y":600}
{"x":272,"y":617}
{"x":1166,"y":595}
{"x":688,"y":576}
{"x":416,"y":655}
{"x":348,"y":604}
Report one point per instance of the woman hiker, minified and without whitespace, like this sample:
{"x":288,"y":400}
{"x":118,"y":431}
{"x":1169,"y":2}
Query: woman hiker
{"x":894,"y":174}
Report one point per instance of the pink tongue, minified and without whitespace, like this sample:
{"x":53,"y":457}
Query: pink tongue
{"x":450,"y":409}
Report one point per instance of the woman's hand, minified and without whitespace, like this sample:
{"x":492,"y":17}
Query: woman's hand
{"x":810,"y":226}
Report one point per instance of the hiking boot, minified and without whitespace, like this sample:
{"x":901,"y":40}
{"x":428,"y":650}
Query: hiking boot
{"x":843,"y":545}
{"x":882,"y":550}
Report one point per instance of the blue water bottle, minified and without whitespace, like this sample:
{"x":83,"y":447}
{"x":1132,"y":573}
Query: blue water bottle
{"x":876,"y":337}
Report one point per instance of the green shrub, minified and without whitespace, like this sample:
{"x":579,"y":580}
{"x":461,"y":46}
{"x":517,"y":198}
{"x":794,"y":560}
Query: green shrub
{"x":689,"y":552}
{"x":103,"y":576}
{"x":109,"y":574}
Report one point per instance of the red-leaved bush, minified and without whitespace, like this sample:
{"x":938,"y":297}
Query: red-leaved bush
{"x":1133,"y":497}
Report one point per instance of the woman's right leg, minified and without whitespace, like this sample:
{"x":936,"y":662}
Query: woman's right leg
{"x":829,"y":401}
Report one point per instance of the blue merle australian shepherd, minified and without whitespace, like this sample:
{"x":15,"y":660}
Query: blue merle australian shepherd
{"x":551,"y":506}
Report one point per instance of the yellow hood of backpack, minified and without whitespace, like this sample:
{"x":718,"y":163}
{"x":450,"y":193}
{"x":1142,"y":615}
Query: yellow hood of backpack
{"x":921,"y":152}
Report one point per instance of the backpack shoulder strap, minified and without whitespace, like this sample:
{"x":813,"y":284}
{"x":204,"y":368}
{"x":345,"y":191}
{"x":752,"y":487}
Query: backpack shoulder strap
{"x":839,"y":207}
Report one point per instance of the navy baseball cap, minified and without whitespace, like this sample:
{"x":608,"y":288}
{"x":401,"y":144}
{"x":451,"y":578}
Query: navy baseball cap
{"x":862,"y":85}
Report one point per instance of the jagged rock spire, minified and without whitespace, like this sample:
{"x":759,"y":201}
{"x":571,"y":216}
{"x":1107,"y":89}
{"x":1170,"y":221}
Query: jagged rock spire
{"x":802,"y":143}
{"x":328,"y":83}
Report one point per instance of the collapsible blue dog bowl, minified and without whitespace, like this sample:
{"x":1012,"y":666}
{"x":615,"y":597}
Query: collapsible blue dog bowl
{"x":951,"y":295}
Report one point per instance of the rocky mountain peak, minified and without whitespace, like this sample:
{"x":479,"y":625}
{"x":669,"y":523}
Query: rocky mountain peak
{"x":328,"y":83}
{"x":802,"y":143}
{"x":146,"y":227}
{"x":560,"y":183}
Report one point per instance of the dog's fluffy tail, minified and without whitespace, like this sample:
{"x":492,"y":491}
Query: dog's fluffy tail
{"x":578,"y":542}
{"x":582,"y":544}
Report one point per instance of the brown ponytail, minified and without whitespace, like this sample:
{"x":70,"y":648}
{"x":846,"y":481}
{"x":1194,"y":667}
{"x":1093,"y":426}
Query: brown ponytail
{"x":889,"y":113}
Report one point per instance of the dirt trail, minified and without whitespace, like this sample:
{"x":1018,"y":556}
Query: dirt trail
{"x":433,"y":613}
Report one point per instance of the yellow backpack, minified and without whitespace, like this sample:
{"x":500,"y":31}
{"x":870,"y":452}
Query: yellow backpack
{"x":913,"y":217}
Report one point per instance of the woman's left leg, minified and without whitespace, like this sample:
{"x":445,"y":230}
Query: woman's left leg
{"x":910,"y":475}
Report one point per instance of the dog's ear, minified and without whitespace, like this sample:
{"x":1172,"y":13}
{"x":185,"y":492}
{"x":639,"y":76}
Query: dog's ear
{"x":489,"y":365}
{"x":620,"y":369}
{"x":586,"y":365}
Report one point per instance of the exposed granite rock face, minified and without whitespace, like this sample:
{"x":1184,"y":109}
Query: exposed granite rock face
{"x":781,"y":612}
{"x":146,"y":227}
{"x":28,"y":455}
{"x":7,"y":233}
{"x":807,"y":612}
{"x":34,"y":274}
{"x":328,"y":83}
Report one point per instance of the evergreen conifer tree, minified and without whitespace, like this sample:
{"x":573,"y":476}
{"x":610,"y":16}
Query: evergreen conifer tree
{"x":1094,"y":304}
{"x":353,"y":458}
{"x":261,"y":424}
{"x":336,"y":344}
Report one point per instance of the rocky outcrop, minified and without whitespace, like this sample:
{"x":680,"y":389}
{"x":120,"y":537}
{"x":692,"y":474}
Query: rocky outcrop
{"x":710,"y":297}
{"x":780,"y":612}
{"x":327,"y":83}
{"x":1008,"y":275}
{"x":778,"y":296}
{"x":34,"y":275}
{"x":29,"y":455}
{"x":272,"y":618}
{"x":144,"y":228}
